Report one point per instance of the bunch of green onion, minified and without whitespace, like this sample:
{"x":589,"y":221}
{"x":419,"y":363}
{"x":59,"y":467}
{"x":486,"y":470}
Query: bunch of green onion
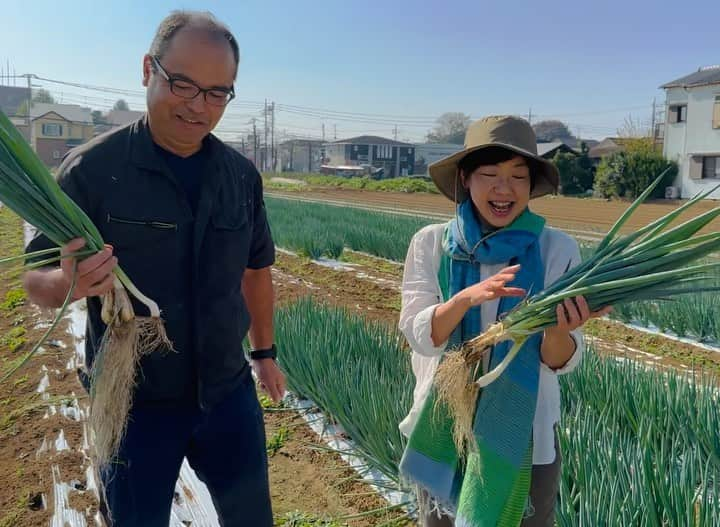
{"x":651,"y":263}
{"x":29,"y":190}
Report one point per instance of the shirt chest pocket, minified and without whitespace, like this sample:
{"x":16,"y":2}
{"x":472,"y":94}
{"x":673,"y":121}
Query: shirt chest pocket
{"x":130,"y":231}
{"x":228,"y":238}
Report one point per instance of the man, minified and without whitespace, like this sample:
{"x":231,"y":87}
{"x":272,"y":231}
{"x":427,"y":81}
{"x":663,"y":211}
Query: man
{"x":184,"y":215}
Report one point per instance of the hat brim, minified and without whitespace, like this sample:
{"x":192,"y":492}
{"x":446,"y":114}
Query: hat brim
{"x":444,"y":173}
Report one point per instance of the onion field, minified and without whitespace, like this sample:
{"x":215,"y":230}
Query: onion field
{"x":641,"y":447}
{"x":320,"y":230}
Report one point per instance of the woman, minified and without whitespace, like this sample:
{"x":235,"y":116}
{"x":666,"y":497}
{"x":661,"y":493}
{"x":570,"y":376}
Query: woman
{"x":459,"y":277}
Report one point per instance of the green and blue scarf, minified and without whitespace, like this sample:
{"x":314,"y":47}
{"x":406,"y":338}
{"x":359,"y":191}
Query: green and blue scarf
{"x":490,"y":488}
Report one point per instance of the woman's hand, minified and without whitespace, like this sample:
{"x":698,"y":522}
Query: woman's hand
{"x":492,"y":288}
{"x":573,"y":313}
{"x":557,"y":345}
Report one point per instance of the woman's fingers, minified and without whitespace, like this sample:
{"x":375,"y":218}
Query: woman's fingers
{"x":583,"y":308}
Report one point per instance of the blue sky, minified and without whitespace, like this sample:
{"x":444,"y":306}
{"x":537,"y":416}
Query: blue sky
{"x":591,"y":65}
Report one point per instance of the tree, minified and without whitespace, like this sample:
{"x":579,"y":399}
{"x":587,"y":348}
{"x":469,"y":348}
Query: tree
{"x":98,"y":117}
{"x":633,"y":128}
{"x":548,"y":131}
{"x":450,"y":127}
{"x":22,"y":110}
{"x":40,"y":96}
{"x":576,"y":174}
{"x":43,"y":96}
{"x":121,"y":105}
{"x":627,"y":174}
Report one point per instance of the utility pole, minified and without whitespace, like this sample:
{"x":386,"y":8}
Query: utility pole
{"x":265,"y":114}
{"x":335,"y":135}
{"x":28,"y":76}
{"x":272,"y":137}
{"x":652,"y":129}
{"x":254,"y":123}
{"x":323,"y":132}
{"x":395,"y":133}
{"x":530,"y":115}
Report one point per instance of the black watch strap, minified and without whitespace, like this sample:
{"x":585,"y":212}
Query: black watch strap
{"x":267,"y":353}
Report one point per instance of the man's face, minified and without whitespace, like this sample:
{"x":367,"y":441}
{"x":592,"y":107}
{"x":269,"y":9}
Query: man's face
{"x":193,"y":57}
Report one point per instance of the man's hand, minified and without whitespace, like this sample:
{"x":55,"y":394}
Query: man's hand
{"x":49,"y":288}
{"x":271,"y":379}
{"x":94,"y":274}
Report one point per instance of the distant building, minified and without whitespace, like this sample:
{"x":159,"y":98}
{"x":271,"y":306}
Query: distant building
{"x":57,"y":128}
{"x":606,"y":147}
{"x":117,"y":118}
{"x":395,"y":158}
{"x":427,"y":153}
{"x":692,"y":130}
{"x":548,"y":150}
{"x":300,"y":155}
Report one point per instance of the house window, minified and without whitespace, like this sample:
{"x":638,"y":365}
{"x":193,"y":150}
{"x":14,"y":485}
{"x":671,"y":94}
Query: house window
{"x":716,"y":113}
{"x":711,"y":167}
{"x":52,"y":129}
{"x":705,"y":167}
{"x":677,"y":113}
{"x":384,"y":152}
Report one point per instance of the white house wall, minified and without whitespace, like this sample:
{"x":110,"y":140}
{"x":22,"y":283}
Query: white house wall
{"x":694,"y":137}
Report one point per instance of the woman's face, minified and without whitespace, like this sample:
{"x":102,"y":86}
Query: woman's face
{"x":500,"y":192}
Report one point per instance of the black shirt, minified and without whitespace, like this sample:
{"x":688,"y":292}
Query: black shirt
{"x":191,"y":264}
{"x":187,"y":171}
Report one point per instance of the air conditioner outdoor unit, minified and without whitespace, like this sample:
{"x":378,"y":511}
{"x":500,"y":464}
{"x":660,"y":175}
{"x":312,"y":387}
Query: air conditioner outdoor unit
{"x":672,"y":192}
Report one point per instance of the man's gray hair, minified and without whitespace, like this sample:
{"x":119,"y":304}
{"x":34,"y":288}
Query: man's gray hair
{"x":201,"y":20}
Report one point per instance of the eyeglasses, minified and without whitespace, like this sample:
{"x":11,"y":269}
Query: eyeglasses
{"x":189,"y":90}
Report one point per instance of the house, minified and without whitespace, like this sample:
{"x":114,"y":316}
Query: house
{"x":115,"y":119}
{"x":548,"y":150}
{"x":427,"y":153}
{"x":394,"y":157}
{"x":606,"y":147}
{"x":13,"y":99}
{"x":692,"y":130}
{"x":57,"y":128}
{"x":300,"y":155}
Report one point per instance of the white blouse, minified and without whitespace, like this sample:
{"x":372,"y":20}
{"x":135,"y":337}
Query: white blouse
{"x":421,"y":295}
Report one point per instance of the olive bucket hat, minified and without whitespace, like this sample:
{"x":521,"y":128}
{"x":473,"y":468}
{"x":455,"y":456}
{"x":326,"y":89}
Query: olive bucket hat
{"x":513,"y":133}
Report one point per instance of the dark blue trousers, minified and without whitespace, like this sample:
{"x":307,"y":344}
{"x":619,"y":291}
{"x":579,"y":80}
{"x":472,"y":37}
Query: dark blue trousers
{"x":225,"y":446}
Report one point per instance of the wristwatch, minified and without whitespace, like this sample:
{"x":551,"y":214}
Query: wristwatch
{"x":267,"y":353}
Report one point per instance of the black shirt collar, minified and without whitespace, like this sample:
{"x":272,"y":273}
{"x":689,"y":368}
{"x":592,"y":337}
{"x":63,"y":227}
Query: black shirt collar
{"x":142,"y":152}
